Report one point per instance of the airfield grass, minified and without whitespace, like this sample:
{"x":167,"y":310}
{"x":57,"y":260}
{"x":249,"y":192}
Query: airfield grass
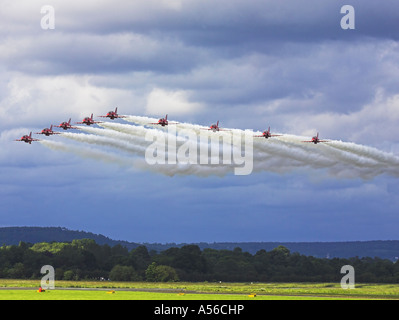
{"x":100,"y":290}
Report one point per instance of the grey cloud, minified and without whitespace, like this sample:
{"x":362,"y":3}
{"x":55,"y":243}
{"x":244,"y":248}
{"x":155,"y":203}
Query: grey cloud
{"x":235,"y":23}
{"x":87,"y":53}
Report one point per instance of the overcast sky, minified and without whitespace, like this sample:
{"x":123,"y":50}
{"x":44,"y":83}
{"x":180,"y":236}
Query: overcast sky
{"x":249,"y":64}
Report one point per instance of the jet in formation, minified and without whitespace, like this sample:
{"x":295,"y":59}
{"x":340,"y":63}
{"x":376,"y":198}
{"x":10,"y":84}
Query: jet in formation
{"x":163,"y":122}
{"x":316,"y":139}
{"x":88,"y":121}
{"x":66,"y":125}
{"x":266,"y":134}
{"x":112,"y":114}
{"x":215,"y":127}
{"x":48,"y":131}
{"x":27,"y":138}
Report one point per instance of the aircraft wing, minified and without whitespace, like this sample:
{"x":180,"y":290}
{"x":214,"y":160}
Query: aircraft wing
{"x":161,"y":123}
{"x":91,"y":122}
{"x":116,"y":116}
{"x":70,"y":127}
{"x":50,"y":133}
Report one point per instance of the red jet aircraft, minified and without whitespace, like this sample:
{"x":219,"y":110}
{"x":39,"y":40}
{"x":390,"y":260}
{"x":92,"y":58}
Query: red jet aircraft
{"x":163,"y":121}
{"x":27,"y":139}
{"x":112,"y":114}
{"x":267,"y":134}
{"x":316,"y":139}
{"x":48,"y":131}
{"x":66,"y":125}
{"x":88,"y":121}
{"x":215,"y":127}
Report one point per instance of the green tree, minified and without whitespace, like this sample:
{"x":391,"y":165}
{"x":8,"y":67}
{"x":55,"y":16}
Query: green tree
{"x":189,"y":258}
{"x":17,"y":271}
{"x":161,"y":273}
{"x":69,"y":275}
{"x":140,"y":258}
{"x":123,"y":273}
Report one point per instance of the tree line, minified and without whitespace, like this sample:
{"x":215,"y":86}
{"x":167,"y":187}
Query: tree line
{"x":84,"y":259}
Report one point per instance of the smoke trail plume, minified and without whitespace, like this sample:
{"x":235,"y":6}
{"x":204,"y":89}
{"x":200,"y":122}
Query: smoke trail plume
{"x":180,"y":149}
{"x":87,"y":153}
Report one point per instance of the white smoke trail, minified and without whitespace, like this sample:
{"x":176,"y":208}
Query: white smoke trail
{"x":366,"y":152}
{"x":106,"y":141}
{"x":116,"y":135}
{"x":124,"y":142}
{"x":276,"y":154}
{"x":144,"y":121}
{"x":138,"y":132}
{"x":88,"y":153}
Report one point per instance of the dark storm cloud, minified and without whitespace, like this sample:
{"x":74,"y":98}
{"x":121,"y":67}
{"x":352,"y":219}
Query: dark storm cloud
{"x":176,"y":36}
{"x":271,"y":57}
{"x":58,"y":53}
{"x":226,"y":22}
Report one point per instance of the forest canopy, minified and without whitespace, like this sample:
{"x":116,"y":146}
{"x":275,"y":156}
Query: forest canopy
{"x":85,"y":259}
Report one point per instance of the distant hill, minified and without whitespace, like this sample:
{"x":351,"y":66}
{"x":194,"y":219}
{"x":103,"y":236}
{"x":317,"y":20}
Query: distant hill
{"x":385,"y":249}
{"x":13,"y":235}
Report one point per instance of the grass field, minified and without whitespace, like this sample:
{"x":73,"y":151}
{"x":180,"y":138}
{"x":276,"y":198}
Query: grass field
{"x":91,"y":290}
